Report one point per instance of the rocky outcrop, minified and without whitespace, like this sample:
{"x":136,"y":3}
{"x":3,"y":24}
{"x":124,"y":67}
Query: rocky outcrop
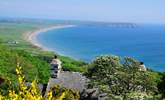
{"x":72,"y":80}
{"x":78,"y":82}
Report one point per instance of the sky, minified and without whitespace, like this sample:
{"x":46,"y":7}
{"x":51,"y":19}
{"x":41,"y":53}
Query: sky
{"x":142,"y":11}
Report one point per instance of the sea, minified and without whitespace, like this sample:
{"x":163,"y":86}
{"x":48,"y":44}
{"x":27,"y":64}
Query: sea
{"x":144,"y":42}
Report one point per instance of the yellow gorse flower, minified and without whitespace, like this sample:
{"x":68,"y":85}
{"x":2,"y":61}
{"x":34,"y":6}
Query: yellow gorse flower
{"x":33,"y":93}
{"x":62,"y":96}
{"x":1,"y":97}
{"x":49,"y":96}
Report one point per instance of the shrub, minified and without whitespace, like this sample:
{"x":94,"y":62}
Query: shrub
{"x":121,"y":76}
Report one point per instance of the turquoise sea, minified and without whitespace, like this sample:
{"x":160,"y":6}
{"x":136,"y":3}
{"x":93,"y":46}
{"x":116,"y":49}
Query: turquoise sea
{"x":144,"y":42}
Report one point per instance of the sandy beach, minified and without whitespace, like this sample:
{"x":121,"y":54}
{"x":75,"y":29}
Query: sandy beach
{"x":32,"y":36}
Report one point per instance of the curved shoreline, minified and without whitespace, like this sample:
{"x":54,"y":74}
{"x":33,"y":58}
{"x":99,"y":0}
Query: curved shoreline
{"x":32,"y":36}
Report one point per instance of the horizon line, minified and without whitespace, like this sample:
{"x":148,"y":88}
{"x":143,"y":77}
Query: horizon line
{"x":78,"y":20}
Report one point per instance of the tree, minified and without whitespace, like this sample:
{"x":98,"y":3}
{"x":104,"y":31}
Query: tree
{"x":103,"y":68}
{"x":137,"y":80}
{"x":121,"y":78}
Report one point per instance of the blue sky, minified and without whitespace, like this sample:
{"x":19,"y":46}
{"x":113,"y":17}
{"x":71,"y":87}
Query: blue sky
{"x":142,"y":11}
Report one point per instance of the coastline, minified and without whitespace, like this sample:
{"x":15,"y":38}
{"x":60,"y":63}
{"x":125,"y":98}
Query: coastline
{"x":32,"y":36}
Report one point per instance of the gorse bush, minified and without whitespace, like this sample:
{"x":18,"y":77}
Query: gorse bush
{"x":58,"y":92}
{"x":24,"y":92}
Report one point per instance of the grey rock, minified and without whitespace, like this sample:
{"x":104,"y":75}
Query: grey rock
{"x":72,"y":80}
